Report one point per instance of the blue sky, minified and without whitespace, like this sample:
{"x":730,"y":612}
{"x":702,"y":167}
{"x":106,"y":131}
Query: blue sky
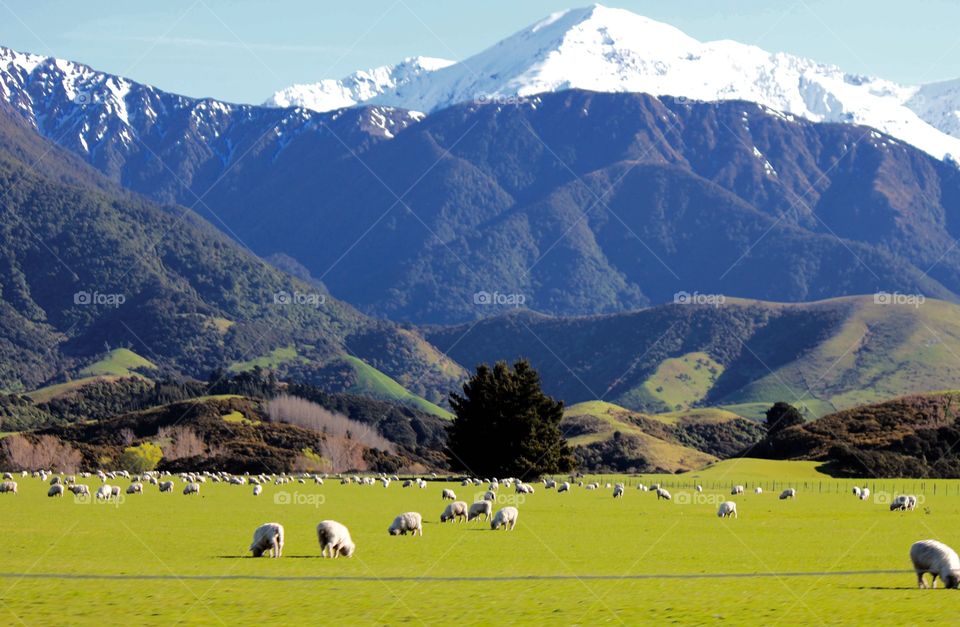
{"x":242,"y":51}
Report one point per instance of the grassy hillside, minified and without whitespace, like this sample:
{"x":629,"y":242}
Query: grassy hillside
{"x":120,"y":362}
{"x":372,"y":382}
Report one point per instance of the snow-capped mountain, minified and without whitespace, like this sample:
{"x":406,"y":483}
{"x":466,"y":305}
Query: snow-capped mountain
{"x":361,"y":86}
{"x":614,"y":50}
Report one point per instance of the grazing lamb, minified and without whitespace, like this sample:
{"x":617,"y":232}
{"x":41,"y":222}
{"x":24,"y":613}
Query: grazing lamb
{"x":80,"y":490}
{"x":489,"y":496}
{"x":789,"y":493}
{"x":409,"y":522}
{"x":506,"y":518}
{"x":663,"y":494}
{"x":618,"y":491}
{"x":55,"y":490}
{"x":455,"y":511}
{"x":334,"y":539}
{"x":737,"y":489}
{"x":135,"y":488}
{"x":448,"y":494}
{"x":257,"y":490}
{"x":8,"y":486}
{"x":758,"y":490}
{"x":267,"y":537}
{"x":191,"y":488}
{"x":563,"y":487}
{"x":727,"y":509}
{"x":480,"y":507}
{"x":936,"y":558}
{"x":864,"y":494}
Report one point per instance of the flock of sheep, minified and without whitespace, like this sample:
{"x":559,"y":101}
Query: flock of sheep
{"x":928,"y":556}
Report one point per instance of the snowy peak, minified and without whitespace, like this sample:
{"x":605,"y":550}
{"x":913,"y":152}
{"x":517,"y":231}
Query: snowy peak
{"x":605,"y":49}
{"x":359,"y":87}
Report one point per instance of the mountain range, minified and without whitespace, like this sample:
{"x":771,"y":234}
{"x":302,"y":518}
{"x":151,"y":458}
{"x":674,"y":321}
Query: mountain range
{"x":604,"y":49}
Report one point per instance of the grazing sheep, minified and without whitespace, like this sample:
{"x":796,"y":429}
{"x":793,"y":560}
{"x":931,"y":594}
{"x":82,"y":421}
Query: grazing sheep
{"x":8,"y":486}
{"x":590,"y":486}
{"x":563,"y":487}
{"x":523,"y":488}
{"x":80,"y":489}
{"x":7,"y":476}
{"x":727,"y":509}
{"x":409,"y":522}
{"x":267,"y":537}
{"x":191,"y":488}
{"x":489,"y":496}
{"x":480,"y":507}
{"x":55,"y":490}
{"x":618,"y":491}
{"x":737,"y":489}
{"x":549,"y":484}
{"x":506,"y":518}
{"x":864,"y":494}
{"x":257,"y":489}
{"x":407,"y":483}
{"x":655,"y":487}
{"x":643,"y":488}
{"x":448,"y":495}
{"x":454,"y":511}
{"x":699,"y":488}
{"x":135,"y":488}
{"x":936,"y":558}
{"x":421,"y":483}
{"x":758,"y":490}
{"x":856,"y":491}
{"x":104,"y":492}
{"x":911,"y":502}
{"x":55,"y":480}
{"x":663,"y":494}
{"x":789,"y":493}
{"x":166,"y":486}
{"x":334,"y":539}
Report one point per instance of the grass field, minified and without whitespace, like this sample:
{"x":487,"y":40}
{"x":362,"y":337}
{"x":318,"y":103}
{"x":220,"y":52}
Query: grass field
{"x":576,"y":558}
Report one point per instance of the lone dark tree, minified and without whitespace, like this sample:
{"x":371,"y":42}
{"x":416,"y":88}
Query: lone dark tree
{"x":506,"y":426}
{"x":782,"y":415}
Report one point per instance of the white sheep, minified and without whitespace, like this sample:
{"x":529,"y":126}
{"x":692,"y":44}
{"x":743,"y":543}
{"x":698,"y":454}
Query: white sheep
{"x":789,"y":493}
{"x":411,"y":522}
{"x":856,"y":491}
{"x":618,"y":491}
{"x":563,"y":487}
{"x":448,"y":494}
{"x":523,"y":488}
{"x":257,"y":490}
{"x":737,"y":489}
{"x":662,"y":493}
{"x":7,"y":476}
{"x":334,"y":539}
{"x":135,"y":488}
{"x":506,"y":518}
{"x":191,"y":488}
{"x":455,"y":511}
{"x":166,"y":486}
{"x":55,"y":480}
{"x":8,"y":486}
{"x":727,"y":508}
{"x":936,"y":558}
{"x":407,"y":483}
{"x":864,"y":494}
{"x":480,"y":507}
{"x":549,"y":484}
{"x":699,"y":488}
{"x":104,"y":492}
{"x":758,"y":490}
{"x":115,"y":491}
{"x":267,"y":537}
{"x":55,"y":490}
{"x":911,"y":502}
{"x":80,"y":489}
{"x":489,"y":496}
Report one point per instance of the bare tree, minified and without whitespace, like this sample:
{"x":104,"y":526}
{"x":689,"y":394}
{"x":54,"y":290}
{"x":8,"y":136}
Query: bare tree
{"x":184,"y":442}
{"x":46,"y":452}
